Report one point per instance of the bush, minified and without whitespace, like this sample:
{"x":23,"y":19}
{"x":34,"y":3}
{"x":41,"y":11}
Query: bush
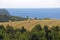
{"x":37,"y":33}
{"x":37,"y":28}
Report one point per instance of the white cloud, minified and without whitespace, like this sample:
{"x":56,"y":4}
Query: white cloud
{"x":30,"y":3}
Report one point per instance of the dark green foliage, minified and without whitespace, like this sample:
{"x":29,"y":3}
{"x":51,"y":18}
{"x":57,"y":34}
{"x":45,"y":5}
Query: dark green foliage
{"x":23,"y":29}
{"x":55,"y":33}
{"x":2,"y":27}
{"x":9,"y":29}
{"x":48,"y":32}
{"x":16,"y":18}
{"x":35,"y":18}
{"x":37,"y":33}
{"x":46,"y":28}
{"x":37,"y":28}
{"x":6,"y":18}
{"x":40,"y":18}
{"x":34,"y":36}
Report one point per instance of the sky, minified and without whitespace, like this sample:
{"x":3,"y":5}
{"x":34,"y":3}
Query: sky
{"x":29,"y":3}
{"x":32,"y":8}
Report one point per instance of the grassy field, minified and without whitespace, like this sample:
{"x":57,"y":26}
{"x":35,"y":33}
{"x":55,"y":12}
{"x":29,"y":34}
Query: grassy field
{"x":31,"y":23}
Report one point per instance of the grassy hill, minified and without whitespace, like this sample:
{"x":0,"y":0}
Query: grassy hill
{"x":5,"y":16}
{"x":30,"y":24}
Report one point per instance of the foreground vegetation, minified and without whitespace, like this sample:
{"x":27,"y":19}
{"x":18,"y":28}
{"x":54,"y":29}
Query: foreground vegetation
{"x":37,"y":33}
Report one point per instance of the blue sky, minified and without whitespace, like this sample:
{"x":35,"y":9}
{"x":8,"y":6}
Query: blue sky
{"x":36,"y":12}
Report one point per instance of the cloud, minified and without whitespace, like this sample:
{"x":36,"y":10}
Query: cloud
{"x":30,"y":3}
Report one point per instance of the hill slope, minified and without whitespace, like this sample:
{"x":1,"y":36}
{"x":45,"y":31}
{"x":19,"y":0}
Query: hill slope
{"x":5,"y":16}
{"x":30,"y":24}
{"x":4,"y":12}
{"x":16,"y":18}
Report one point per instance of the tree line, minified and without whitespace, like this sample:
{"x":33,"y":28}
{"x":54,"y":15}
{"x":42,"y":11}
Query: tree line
{"x":37,"y":33}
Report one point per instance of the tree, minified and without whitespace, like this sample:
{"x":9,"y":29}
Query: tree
{"x":18,"y":35}
{"x":40,"y":19}
{"x":9,"y":33}
{"x":1,"y":35}
{"x":23,"y":29}
{"x":24,"y":36}
{"x":2,"y":29}
{"x":37,"y":28}
{"x":55,"y":33}
{"x":35,"y":18}
{"x":34,"y":36}
{"x":10,"y":29}
{"x":46,"y":19}
{"x":46,"y":28}
{"x":40,"y":35}
{"x":48,"y":32}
